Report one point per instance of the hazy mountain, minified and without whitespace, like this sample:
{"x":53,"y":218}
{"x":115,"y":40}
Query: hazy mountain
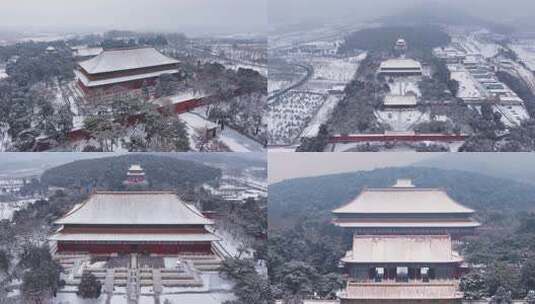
{"x":162,"y":172}
{"x":35,"y":163}
{"x":520,"y":167}
{"x":291,"y":200}
{"x":236,"y":161}
{"x":440,"y":13}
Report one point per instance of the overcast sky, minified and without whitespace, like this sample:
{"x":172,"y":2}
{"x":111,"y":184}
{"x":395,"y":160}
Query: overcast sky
{"x":168,"y":15}
{"x":288,"y":11}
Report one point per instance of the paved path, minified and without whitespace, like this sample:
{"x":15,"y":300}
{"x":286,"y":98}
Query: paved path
{"x":238,"y":142}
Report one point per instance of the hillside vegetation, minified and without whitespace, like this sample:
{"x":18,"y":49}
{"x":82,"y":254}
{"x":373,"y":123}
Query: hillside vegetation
{"x":304,"y":246}
{"x":109,"y":173}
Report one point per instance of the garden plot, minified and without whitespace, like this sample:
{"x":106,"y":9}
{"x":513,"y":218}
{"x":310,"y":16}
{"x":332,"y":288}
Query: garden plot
{"x":339,"y":70}
{"x":290,"y":114}
{"x":321,"y":116}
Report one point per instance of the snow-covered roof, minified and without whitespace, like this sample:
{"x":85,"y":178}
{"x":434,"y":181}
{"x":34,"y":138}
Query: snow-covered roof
{"x":135,"y":168}
{"x":402,"y":249}
{"x":400,"y":100}
{"x":413,"y":290}
{"x":134,"y":208}
{"x":125,"y":59}
{"x":400,"y":63}
{"x":87,"y":51}
{"x":402,"y":200}
{"x":408,"y":223}
{"x":135,"y":237}
{"x":95,"y":83}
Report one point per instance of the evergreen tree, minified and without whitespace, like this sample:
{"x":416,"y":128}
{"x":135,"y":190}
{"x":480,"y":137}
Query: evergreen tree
{"x":89,"y":286}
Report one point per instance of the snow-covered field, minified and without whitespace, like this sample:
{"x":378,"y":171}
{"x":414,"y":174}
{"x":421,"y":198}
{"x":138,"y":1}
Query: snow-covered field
{"x":512,"y":115}
{"x":236,"y":142}
{"x":525,"y":49}
{"x":7,"y":209}
{"x":335,"y":69}
{"x":290,"y":114}
{"x":3,"y":74}
{"x":402,"y":120}
{"x":321,"y":116}
{"x":283,"y":76}
{"x":468,"y":87}
{"x":192,"y":298}
{"x":474,"y":44}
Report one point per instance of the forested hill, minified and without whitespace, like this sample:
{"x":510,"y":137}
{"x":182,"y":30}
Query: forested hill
{"x":293,"y":200}
{"x":228,"y":160}
{"x":437,"y":13}
{"x":109,"y":173}
{"x":382,"y":38}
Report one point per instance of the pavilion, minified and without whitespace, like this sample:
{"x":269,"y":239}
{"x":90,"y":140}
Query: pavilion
{"x":403,"y":245}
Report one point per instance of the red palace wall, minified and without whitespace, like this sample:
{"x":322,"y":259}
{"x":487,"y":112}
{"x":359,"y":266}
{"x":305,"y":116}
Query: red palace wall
{"x":395,"y":137}
{"x":136,"y":179}
{"x":93,"y":248}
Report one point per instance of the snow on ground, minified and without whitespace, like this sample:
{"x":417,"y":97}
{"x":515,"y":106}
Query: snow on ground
{"x":204,"y":298}
{"x":525,"y":49}
{"x":405,"y":86}
{"x":277,"y":85}
{"x":337,"y":69}
{"x":146,"y":300}
{"x":468,"y":88}
{"x":234,"y":140}
{"x":238,"y":142}
{"x":8,"y":208}
{"x":321,"y":116}
{"x":3,"y":74}
{"x":402,"y":120}
{"x":290,"y":114}
{"x":474,"y":44}
{"x":72,"y":298}
{"x":231,"y":243}
{"x":512,"y":115}
{"x":527,"y":75}
{"x":181,"y":97}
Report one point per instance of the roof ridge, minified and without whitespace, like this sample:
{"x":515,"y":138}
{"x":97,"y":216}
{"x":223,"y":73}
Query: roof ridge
{"x":135,"y":192}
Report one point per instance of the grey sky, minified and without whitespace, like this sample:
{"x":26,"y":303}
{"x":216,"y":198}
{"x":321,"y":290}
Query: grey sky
{"x":168,"y":15}
{"x":283,"y":166}
{"x":288,"y":11}
{"x":515,"y":166}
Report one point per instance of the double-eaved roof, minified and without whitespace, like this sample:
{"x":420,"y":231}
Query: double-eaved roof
{"x":404,"y":206}
{"x":403,"y":199}
{"x":134,"y":208}
{"x":400,"y":63}
{"x":125,"y":59}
